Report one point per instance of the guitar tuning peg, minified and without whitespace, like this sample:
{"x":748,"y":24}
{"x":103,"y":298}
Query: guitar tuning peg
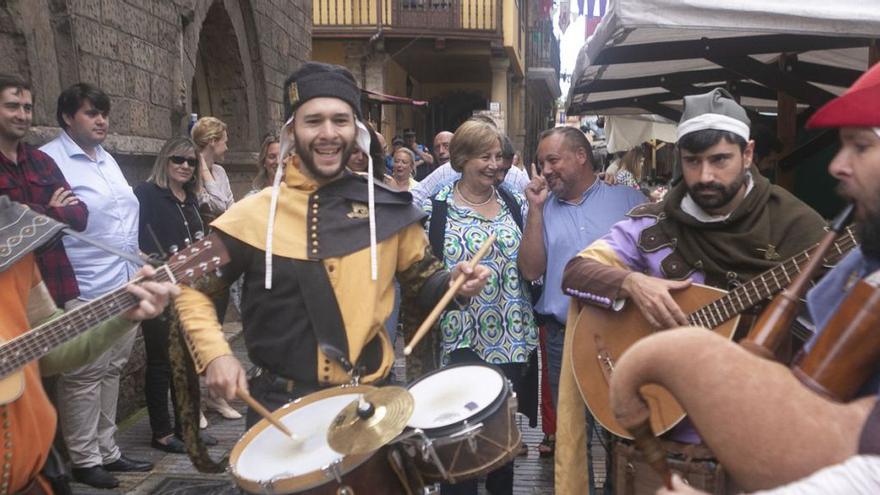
{"x":173,"y":249}
{"x":199,"y":235}
{"x":187,"y":242}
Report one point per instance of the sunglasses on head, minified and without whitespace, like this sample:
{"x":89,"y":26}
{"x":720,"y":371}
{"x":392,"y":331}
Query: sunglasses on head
{"x":180,"y":160}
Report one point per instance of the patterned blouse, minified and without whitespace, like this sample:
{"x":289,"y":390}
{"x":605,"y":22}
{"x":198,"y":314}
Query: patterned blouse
{"x":498,"y":324}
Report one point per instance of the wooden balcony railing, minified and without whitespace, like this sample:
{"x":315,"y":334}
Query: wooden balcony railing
{"x":406,"y":17}
{"x":543,"y":48}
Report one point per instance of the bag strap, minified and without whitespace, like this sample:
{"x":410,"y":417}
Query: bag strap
{"x":437,"y":228}
{"x":512,"y":205}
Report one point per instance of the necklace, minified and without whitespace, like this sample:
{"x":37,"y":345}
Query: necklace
{"x":471,"y":203}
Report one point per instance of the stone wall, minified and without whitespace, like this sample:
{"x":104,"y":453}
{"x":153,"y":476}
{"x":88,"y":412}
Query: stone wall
{"x":160,"y":60}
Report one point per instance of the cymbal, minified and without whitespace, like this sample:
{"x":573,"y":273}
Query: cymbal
{"x":350,"y":434}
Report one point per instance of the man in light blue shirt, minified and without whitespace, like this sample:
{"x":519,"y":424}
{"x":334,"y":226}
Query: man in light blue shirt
{"x":515,"y":180}
{"x":87,"y":396}
{"x":569,"y":208}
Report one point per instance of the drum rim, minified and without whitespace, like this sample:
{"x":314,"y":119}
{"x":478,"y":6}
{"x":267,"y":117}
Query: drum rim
{"x":478,"y":416}
{"x":305,"y":481}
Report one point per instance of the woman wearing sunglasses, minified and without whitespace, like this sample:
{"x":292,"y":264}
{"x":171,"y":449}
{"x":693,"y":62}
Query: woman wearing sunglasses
{"x":169,"y":220}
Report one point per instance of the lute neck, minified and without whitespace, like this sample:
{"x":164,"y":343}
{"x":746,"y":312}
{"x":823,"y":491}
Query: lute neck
{"x":765,"y":285}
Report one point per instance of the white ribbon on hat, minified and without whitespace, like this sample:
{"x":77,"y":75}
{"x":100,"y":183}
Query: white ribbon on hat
{"x":363,"y":141}
{"x":715,"y":121}
{"x":286,"y":143}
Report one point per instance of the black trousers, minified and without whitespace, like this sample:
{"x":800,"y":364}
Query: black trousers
{"x":157,"y":378}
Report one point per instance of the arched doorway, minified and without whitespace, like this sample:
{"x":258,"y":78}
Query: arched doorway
{"x":228,"y":78}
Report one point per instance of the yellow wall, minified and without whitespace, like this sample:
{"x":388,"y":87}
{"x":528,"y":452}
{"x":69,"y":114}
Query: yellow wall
{"x":513,"y":35}
{"x":331,"y":52}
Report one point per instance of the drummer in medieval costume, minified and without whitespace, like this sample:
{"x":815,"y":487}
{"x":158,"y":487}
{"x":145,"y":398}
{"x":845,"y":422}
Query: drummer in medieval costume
{"x":319,"y":252}
{"x":721,"y":225}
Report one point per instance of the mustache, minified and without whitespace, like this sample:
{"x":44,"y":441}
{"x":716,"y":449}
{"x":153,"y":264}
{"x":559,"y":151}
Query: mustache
{"x":711,"y":186}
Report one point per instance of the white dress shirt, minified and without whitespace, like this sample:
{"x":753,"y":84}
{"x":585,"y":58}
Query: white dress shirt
{"x":113,"y":216}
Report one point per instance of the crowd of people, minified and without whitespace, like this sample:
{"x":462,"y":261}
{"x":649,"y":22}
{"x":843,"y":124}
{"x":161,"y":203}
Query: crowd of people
{"x":327,"y":277}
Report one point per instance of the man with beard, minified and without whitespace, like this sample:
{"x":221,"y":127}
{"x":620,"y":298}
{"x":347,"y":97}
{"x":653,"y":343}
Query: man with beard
{"x":857,"y":167}
{"x":721,"y":225}
{"x":312,"y":311}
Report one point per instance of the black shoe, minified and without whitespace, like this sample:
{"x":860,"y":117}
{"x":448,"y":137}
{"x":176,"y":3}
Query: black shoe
{"x":124,"y":464}
{"x":173,"y":445}
{"x":207,"y":439}
{"x":95,"y":476}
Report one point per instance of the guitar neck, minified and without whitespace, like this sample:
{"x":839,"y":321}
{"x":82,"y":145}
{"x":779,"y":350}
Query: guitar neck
{"x":765,"y":285}
{"x":41,"y":340}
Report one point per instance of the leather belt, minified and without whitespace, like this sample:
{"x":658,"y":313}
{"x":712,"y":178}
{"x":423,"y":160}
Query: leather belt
{"x":278,"y":384}
{"x":35,"y":487}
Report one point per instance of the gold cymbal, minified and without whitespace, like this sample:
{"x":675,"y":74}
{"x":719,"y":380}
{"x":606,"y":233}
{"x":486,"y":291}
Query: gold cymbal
{"x":350,"y":434}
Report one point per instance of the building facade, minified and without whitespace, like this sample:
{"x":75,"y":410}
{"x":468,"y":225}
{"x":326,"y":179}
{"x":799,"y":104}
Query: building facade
{"x":160,"y":61}
{"x":461,"y":56}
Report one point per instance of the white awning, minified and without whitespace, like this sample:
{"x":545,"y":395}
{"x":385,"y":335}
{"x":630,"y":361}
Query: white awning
{"x":646,"y":54}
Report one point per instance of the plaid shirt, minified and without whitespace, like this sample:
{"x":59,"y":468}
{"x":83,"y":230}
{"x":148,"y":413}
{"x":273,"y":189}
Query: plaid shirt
{"x":31,"y":181}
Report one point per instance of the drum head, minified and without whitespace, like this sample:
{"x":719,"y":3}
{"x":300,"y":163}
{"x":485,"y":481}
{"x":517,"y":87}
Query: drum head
{"x":265,"y":454}
{"x":454,"y":394}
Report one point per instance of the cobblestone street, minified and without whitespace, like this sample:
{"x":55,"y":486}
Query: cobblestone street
{"x":174,"y":474}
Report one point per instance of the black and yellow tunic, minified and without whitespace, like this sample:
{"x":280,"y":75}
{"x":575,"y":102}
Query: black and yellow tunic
{"x":329,"y":225}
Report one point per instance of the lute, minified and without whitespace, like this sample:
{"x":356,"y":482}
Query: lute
{"x":182,"y":267}
{"x":601,"y":335}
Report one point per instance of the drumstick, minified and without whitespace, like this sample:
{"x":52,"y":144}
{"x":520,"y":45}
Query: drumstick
{"x":262,"y":411}
{"x":450,"y":293}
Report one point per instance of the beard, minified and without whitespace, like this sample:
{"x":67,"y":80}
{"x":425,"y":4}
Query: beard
{"x":306,"y":156}
{"x":724,"y":194}
{"x":867,"y":225}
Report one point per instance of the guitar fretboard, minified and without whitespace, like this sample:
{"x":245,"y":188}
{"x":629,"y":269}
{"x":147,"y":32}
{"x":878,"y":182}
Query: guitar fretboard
{"x":765,"y":285}
{"x":39,"y":341}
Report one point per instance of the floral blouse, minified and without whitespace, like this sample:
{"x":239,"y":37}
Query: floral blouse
{"x":498,"y":324}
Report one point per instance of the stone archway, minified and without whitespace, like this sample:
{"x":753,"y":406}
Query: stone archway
{"x":226,"y":75}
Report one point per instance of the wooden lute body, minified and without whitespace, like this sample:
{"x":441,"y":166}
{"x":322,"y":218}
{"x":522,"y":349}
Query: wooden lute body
{"x":603,"y":335}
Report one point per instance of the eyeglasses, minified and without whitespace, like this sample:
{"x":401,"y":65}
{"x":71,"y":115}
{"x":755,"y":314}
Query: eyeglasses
{"x":180,"y":160}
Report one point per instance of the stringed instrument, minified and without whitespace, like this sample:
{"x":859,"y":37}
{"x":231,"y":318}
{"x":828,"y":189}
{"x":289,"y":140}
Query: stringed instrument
{"x":185,"y":266}
{"x":602,"y":335}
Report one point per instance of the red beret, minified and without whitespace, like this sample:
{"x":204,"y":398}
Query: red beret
{"x":859,"y":106}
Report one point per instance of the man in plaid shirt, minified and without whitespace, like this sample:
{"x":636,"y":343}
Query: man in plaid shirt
{"x":29,"y":176}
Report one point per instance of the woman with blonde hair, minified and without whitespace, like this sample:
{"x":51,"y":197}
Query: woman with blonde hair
{"x":209,"y":134}
{"x":403,"y":169}
{"x":169,"y":219}
{"x":267,"y":163}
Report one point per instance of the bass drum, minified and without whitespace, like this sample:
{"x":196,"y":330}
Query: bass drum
{"x":463,"y":424}
{"x":267,"y":461}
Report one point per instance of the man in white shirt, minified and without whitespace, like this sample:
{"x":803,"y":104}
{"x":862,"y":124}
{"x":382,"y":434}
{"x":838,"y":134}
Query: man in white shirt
{"x":87,"y":396}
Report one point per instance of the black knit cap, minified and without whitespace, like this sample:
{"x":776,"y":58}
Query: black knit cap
{"x":316,"y":79}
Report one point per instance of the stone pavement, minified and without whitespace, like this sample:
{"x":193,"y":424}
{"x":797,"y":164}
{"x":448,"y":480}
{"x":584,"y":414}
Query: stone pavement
{"x":174,"y":474}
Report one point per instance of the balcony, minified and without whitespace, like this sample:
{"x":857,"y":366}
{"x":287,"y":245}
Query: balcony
{"x":463,"y":19}
{"x":542,"y":59}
